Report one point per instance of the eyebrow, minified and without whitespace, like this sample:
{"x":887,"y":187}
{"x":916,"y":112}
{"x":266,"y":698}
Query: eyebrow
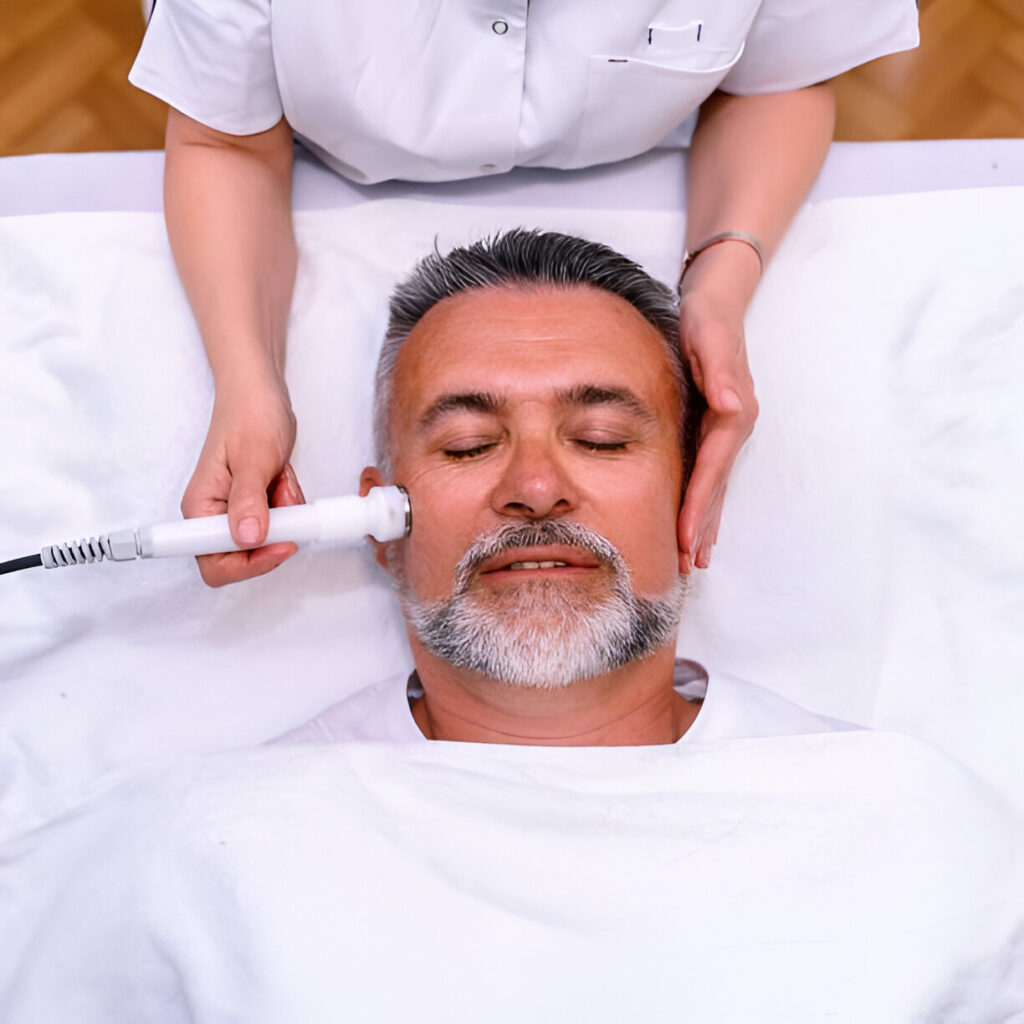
{"x":461,"y":401}
{"x":581,"y":395}
{"x":594,"y":394}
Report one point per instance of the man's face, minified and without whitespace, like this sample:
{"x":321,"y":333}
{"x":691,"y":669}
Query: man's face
{"x":514,"y":407}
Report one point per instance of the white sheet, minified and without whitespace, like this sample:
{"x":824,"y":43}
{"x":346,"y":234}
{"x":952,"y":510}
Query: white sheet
{"x":870,"y":563}
{"x":94,"y":182}
{"x":448,"y":882}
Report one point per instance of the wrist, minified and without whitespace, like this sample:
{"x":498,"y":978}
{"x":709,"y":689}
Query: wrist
{"x":244,"y":346}
{"x":243,"y":363}
{"x":254,"y":384}
{"x":723,"y":278}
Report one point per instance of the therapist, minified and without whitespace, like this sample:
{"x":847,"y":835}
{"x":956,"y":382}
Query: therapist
{"x":439,"y":90}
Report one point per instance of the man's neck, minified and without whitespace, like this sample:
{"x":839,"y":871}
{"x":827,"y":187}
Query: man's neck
{"x":633,"y":706}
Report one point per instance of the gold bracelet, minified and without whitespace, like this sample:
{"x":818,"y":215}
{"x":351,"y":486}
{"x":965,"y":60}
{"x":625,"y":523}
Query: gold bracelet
{"x":724,"y":236}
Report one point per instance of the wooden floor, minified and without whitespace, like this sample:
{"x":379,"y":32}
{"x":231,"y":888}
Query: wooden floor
{"x":63,"y":87}
{"x":966,"y":80}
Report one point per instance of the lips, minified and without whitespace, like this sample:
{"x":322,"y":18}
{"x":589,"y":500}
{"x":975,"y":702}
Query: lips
{"x":552,"y":557}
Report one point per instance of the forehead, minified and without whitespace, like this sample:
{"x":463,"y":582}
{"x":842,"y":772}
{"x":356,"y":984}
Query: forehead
{"x":526,"y":343}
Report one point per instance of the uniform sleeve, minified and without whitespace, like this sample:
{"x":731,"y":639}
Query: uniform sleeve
{"x":212,"y":60}
{"x":795,"y":43}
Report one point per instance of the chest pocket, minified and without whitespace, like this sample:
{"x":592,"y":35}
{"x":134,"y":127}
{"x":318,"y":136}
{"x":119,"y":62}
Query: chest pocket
{"x":633,"y":102}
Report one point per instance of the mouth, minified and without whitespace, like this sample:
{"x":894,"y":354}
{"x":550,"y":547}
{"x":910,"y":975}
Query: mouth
{"x":553,"y":560}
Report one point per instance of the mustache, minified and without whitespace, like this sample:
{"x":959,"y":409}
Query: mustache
{"x":537,"y":534}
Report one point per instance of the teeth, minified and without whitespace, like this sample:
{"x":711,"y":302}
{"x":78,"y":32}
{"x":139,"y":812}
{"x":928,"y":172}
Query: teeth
{"x":538,"y":565}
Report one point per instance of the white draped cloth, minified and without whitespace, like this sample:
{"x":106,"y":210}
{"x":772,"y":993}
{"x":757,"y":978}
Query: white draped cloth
{"x":850,"y":876}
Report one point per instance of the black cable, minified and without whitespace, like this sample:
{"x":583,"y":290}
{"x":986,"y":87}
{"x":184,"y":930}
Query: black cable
{"x":28,"y":562}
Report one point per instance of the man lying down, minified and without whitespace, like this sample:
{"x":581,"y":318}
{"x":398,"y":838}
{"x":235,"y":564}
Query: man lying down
{"x":550,"y":821}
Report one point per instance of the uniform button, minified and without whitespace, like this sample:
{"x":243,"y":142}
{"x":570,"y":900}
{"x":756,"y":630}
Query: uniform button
{"x":499,"y":28}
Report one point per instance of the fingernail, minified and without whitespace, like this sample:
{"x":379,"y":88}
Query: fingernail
{"x":730,"y":401}
{"x":248,"y":530}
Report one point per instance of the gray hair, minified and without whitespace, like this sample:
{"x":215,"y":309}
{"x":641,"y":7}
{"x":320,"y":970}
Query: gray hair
{"x":524,"y":258}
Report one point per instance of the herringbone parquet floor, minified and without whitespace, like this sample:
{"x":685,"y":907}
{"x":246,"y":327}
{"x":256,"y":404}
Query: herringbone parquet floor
{"x":63,"y":87}
{"x":966,"y":80}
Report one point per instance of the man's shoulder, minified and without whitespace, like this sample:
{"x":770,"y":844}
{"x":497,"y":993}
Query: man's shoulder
{"x":374,"y":713}
{"x":735,"y":708}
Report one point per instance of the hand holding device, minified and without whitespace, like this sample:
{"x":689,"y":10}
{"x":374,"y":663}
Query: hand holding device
{"x":384,"y":514}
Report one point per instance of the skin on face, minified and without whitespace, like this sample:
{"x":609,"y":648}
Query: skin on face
{"x":513,"y":405}
{"x":520,"y":405}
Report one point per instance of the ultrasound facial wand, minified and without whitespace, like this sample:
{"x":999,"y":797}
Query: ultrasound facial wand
{"x":384,"y":514}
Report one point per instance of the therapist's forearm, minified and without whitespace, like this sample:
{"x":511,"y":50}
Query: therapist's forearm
{"x":228,"y":208}
{"x":752,"y":161}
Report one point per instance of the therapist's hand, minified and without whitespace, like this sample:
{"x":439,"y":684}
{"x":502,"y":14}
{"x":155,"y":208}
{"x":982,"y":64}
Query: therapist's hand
{"x":751,"y":163}
{"x":711,"y":335}
{"x":244,"y":470}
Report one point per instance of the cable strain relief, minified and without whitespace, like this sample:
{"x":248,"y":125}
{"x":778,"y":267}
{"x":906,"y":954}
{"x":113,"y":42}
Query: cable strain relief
{"x":121,"y":545}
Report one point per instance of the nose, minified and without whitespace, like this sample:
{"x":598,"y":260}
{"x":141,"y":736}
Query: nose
{"x":533,"y":484}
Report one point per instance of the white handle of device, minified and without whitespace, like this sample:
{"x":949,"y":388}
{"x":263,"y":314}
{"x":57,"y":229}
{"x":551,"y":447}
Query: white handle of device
{"x":384,"y":514}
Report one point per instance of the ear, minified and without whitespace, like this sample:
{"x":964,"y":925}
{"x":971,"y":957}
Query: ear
{"x":370,"y":477}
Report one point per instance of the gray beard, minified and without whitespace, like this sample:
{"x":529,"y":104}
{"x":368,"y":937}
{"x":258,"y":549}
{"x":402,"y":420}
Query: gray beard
{"x":543,"y":634}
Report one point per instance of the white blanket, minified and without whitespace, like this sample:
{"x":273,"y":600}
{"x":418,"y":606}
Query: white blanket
{"x":852,"y":877}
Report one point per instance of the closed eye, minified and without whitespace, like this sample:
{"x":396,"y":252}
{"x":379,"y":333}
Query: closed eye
{"x":468,"y":453}
{"x":601,"y":446}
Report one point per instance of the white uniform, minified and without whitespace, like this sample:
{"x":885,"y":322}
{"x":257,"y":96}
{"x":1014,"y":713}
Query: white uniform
{"x":430,"y":90}
{"x":731,"y":709}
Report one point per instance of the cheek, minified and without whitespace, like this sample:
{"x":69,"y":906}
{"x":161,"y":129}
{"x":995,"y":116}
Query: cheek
{"x":442,"y":530}
{"x":429,"y":565}
{"x":654,"y":558}
{"x":645,"y":531}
